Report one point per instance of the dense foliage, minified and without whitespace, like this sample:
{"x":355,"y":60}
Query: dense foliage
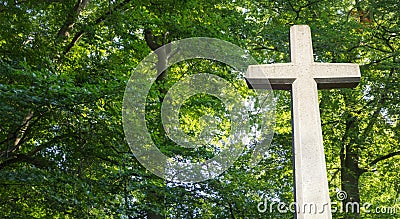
{"x":64,"y":66}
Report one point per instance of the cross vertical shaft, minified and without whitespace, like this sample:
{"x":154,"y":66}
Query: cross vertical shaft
{"x":311,"y":182}
{"x":300,"y":45}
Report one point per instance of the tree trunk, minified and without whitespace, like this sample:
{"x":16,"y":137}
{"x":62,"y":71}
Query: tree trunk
{"x":154,"y":44}
{"x":350,"y":175}
{"x":151,"y":215}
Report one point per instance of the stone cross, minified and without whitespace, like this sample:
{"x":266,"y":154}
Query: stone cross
{"x":304,"y":77}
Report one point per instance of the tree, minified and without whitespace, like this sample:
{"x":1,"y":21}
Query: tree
{"x":64,"y":66}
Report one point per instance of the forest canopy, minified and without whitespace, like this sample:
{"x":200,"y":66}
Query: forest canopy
{"x":64,"y":66}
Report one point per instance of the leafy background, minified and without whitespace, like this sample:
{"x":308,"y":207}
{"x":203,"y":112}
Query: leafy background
{"x":63,"y":70}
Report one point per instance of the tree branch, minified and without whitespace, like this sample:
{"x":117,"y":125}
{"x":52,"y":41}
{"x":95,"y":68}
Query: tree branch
{"x":22,"y":158}
{"x":72,"y":16}
{"x":73,"y":41}
{"x":380,"y":103}
{"x":100,"y":19}
{"x":151,"y":40}
{"x":24,"y":130}
{"x":266,"y":48}
{"x":385,"y":157}
{"x":231,"y":210}
{"x":29,"y":157}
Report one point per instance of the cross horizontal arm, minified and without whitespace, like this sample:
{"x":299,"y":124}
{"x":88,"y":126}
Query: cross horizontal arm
{"x":280,"y":76}
{"x":336,"y":75}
